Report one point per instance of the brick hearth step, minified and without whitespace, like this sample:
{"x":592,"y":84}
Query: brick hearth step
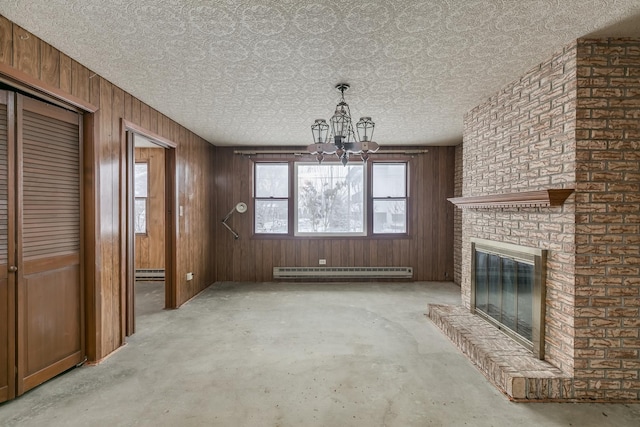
{"x":506,"y":364}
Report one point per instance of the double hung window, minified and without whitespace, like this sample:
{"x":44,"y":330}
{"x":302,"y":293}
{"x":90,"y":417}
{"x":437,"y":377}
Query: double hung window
{"x":329,"y":199}
{"x":389,"y":197}
{"x":271,"y":197}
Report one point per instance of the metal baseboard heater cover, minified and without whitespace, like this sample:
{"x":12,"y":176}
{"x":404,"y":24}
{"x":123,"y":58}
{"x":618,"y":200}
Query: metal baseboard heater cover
{"x":150,"y":274}
{"x":342,"y":272}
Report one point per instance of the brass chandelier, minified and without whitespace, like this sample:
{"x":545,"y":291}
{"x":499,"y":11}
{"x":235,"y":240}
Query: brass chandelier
{"x":342,"y":140}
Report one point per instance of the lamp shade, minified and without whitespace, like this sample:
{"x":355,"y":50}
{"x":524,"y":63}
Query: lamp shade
{"x":365,"y":129}
{"x":341,"y":121}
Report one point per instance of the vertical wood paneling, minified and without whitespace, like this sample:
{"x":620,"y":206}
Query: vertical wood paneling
{"x":344,"y":249}
{"x":358,"y":256}
{"x":50,"y":64}
{"x":153,"y":121}
{"x":302,"y":254}
{"x":135,"y":110}
{"x":6,"y":41}
{"x":313,"y":251}
{"x":428,"y":249}
{"x":396,"y":253}
{"x":144,"y":116}
{"x":405,"y":249}
{"x":65,"y":73}
{"x":335,"y":256}
{"x":257,"y":262}
{"x":373,"y":253}
{"x":418,"y":202}
{"x":183,"y":219}
{"x":325,"y":249}
{"x":283,"y":253}
{"x":26,"y":52}
{"x":128,"y":106}
{"x":267,"y":260}
{"x":80,"y":84}
{"x":276,"y":256}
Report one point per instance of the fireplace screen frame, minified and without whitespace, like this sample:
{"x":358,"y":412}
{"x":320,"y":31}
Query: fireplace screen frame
{"x":523,"y":254}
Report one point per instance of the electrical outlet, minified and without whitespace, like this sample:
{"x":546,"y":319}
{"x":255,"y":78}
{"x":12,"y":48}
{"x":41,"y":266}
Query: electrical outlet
{"x":189,"y":276}
{"x":322,"y":262}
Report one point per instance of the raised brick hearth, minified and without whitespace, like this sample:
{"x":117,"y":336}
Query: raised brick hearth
{"x":508,"y":365}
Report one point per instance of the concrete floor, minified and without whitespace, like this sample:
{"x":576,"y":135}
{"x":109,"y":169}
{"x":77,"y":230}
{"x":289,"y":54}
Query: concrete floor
{"x":357,"y":354}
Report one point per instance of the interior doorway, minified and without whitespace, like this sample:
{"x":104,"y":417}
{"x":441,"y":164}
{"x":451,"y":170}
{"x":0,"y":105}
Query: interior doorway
{"x":150,"y":225}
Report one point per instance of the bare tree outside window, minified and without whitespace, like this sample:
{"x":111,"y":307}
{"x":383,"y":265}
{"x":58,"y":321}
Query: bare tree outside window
{"x":330,"y":199}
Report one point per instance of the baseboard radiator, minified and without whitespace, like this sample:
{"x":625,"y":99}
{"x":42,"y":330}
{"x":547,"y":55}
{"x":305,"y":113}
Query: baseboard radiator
{"x":147,"y":275}
{"x":342,"y":272}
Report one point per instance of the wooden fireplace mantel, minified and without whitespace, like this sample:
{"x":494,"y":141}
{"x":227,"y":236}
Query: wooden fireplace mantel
{"x":550,"y":197}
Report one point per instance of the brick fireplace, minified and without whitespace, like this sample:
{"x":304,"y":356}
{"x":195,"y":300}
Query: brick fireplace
{"x":572,"y":122}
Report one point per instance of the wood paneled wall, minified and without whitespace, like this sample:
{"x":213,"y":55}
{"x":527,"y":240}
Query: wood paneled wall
{"x":150,"y":248}
{"x":428,"y":249}
{"x":103,"y":171}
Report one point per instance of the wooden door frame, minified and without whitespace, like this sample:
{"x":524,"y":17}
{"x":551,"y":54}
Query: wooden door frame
{"x":171,"y":222}
{"x":12,"y":278}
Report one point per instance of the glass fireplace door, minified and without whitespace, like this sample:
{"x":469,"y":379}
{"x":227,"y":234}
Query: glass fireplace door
{"x":508,"y":290}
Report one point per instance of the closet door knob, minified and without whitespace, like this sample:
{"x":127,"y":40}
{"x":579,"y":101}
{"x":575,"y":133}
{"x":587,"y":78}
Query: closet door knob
{"x":13,"y":269}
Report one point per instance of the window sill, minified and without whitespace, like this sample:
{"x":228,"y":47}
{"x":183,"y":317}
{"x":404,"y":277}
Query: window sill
{"x":388,"y":236}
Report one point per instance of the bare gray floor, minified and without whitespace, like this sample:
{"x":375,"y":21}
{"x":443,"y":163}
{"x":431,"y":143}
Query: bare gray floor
{"x":149,"y":299}
{"x":356,"y":354}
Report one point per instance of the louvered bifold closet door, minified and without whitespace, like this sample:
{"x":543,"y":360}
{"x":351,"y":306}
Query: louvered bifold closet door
{"x":7,"y":256}
{"x":49,"y":280}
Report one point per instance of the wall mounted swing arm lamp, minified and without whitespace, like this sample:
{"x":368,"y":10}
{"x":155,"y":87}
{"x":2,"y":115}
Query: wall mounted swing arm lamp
{"x":241,"y":207}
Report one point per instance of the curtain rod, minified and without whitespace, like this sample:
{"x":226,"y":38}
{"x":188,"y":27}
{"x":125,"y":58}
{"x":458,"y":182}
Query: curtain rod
{"x":304,"y":153}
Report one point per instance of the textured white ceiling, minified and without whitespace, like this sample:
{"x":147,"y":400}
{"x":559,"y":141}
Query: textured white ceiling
{"x":259,"y":72}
